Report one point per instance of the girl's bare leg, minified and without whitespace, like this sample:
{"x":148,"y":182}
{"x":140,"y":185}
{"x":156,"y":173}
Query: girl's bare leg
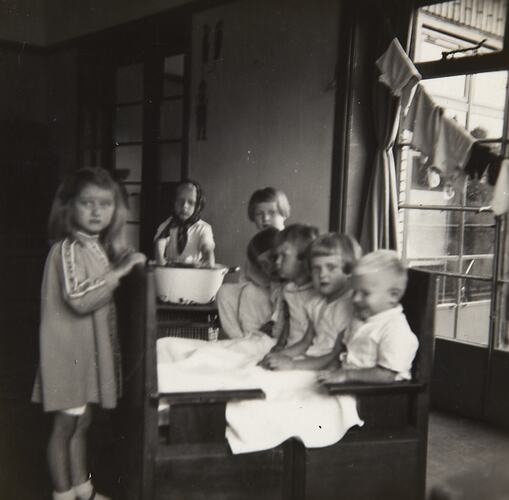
{"x":78,"y":449}
{"x":58,"y":451}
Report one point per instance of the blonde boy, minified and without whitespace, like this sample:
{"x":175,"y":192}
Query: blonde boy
{"x":380,"y":346}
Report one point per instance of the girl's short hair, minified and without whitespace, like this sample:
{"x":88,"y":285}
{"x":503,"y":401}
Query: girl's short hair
{"x":200,"y":196}
{"x":261,"y":242}
{"x":299,"y":235}
{"x":265,"y":195}
{"x":386,"y":261}
{"x":337,"y":244}
{"x":61,"y":224}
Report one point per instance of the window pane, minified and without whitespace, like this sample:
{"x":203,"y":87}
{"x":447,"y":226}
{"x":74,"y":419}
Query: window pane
{"x":171,"y":119}
{"x":459,"y":24}
{"x":432,"y":236}
{"x":129,"y":158}
{"x":479,"y":236}
{"x":452,"y":87}
{"x":170,"y":164}
{"x":173,"y":76}
{"x":422,"y":185}
{"x":128,"y":124}
{"x":474,"y":312}
{"x":489,"y":89}
{"x":492,"y":126}
{"x":130,"y":83}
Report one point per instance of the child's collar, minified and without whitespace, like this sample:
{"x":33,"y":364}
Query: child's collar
{"x":80,"y":235}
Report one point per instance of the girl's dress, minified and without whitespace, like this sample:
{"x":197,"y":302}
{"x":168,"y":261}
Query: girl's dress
{"x":79,"y":353}
{"x":199,"y":234}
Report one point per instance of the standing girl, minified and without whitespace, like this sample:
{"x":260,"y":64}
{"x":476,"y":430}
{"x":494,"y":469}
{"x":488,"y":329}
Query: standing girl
{"x":79,"y":354}
{"x":184,"y":237}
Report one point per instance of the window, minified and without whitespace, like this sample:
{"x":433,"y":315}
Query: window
{"x":445,"y":224}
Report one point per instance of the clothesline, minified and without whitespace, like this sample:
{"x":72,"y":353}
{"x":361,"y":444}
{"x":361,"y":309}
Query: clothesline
{"x":448,"y":147}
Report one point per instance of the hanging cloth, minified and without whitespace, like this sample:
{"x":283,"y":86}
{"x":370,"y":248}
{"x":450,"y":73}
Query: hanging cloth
{"x":398,"y":72}
{"x":453,"y":146}
{"x":423,"y":119}
{"x":481,"y":157}
{"x":393,"y":88}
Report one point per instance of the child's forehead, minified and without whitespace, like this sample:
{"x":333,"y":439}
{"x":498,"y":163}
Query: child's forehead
{"x":186,"y":190}
{"x":326,"y":259}
{"x":373,"y":279}
{"x":266,"y":205}
{"x":95,"y":191}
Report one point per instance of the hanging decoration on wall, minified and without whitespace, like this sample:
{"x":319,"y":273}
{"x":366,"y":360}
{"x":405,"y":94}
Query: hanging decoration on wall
{"x":218,"y":40}
{"x":205,"y":44}
{"x":201,"y":112}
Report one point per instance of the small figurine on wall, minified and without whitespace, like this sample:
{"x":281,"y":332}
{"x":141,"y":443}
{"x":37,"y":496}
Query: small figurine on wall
{"x":205,"y":44}
{"x":201,"y":112}
{"x":218,"y":40}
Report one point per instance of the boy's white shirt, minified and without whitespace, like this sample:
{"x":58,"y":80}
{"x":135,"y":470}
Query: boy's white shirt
{"x":385,"y":339}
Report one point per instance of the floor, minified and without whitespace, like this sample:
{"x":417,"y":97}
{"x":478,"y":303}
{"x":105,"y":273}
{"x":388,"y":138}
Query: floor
{"x":456,"y":446}
{"x":460,"y":448}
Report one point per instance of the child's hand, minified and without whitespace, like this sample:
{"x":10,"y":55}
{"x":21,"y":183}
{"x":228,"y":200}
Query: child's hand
{"x":125,"y":266}
{"x":332,"y":376}
{"x":278,"y":362}
{"x":277,"y":348}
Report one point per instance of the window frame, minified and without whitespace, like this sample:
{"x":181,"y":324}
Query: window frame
{"x":469,"y":65}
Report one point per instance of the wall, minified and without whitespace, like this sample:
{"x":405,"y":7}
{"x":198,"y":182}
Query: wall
{"x":87,"y":16}
{"x":270,"y":114}
{"x":23,"y":21}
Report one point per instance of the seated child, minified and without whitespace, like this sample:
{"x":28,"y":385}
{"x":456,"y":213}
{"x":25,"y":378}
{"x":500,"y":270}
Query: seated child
{"x":332,"y":258}
{"x":254,"y":307}
{"x":268,"y":207}
{"x":380,"y":347}
{"x":290,"y":321}
{"x":184,"y":237}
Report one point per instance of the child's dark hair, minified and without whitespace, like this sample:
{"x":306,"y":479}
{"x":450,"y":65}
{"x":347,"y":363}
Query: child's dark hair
{"x":200,"y":196}
{"x":337,"y":244}
{"x":299,"y":235}
{"x":265,"y":195}
{"x":61,"y":224}
{"x":260,"y":243}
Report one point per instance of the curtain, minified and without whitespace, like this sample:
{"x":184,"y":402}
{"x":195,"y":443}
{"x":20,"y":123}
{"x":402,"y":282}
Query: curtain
{"x":380,"y":218}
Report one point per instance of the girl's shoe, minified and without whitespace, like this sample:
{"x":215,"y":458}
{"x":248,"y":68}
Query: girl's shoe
{"x":94,"y":496}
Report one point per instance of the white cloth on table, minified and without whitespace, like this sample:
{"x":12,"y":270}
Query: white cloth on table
{"x":329,"y":319}
{"x":500,"y":200}
{"x":385,"y":340}
{"x":295,"y":406}
{"x":398,"y":72}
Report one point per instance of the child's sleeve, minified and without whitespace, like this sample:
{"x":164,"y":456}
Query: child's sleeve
{"x":80,"y":292}
{"x":207,"y":237}
{"x":397,"y":348}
